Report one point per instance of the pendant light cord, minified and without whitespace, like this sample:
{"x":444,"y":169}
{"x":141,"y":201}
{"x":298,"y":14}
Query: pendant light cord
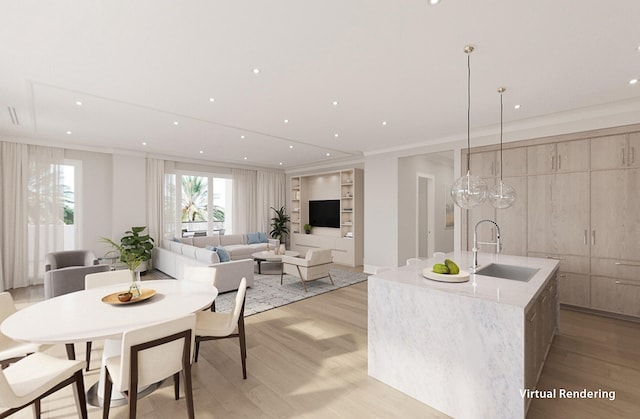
{"x":501,"y":108}
{"x":468,"y":113}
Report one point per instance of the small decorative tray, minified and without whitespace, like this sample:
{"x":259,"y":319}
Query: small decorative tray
{"x":113,"y":298}
{"x":462,"y":276}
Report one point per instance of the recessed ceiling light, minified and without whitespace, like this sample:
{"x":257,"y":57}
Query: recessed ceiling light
{"x":242,"y":137}
{"x":286,"y":121}
{"x":176,"y":123}
{"x":78,"y":103}
{"x":633,"y":81}
{"x":212,"y":99}
{"x":144,"y":143}
{"x":434,"y":2}
{"x":280,"y":163}
{"x":256,"y":71}
{"x":290,"y":146}
{"x":69,"y":132}
{"x":384,"y":122}
{"x":201,"y":151}
{"x":336,"y":135}
{"x":245,"y":158}
{"x":328,"y":154}
{"x":516,"y":106}
{"x":335,"y":103}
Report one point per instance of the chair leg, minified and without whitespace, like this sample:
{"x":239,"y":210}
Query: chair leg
{"x":81,"y":400}
{"x":195,"y":353}
{"x":331,"y":279}
{"x":106,"y":401}
{"x":176,"y":385}
{"x":243,"y":345}
{"x":37,"y":409}
{"x":302,"y":280}
{"x":188,"y":390}
{"x":88,"y":355}
{"x":213,"y":305}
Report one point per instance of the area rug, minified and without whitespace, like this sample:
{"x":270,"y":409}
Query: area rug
{"x":267,"y":293}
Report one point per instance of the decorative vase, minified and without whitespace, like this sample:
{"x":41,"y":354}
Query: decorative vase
{"x":135,"y":288}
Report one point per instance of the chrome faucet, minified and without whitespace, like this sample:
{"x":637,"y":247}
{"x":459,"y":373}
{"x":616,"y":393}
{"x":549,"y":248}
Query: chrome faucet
{"x":476,"y":242}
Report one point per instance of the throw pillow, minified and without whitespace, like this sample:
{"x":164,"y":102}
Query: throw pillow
{"x":223,"y":254}
{"x":177,"y":240}
{"x":210,"y":247}
{"x":262,"y":237}
{"x":253,"y":238}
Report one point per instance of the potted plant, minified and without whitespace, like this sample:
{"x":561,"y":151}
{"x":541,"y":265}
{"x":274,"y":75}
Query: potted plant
{"x":134,"y":250}
{"x":307,"y":228}
{"x":279,"y":229}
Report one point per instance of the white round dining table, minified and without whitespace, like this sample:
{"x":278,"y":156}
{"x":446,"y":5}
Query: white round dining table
{"x":82,"y":316}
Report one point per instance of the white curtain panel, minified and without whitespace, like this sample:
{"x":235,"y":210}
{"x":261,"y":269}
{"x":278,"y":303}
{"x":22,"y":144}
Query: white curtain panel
{"x":271,"y":193}
{"x":155,"y":207}
{"x":244,"y":201}
{"x":172,"y":223}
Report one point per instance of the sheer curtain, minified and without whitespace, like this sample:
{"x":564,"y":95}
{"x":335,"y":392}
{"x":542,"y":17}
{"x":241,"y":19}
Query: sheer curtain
{"x":270,"y":193}
{"x":244,"y":201}
{"x":155,"y":207}
{"x":31,"y":211}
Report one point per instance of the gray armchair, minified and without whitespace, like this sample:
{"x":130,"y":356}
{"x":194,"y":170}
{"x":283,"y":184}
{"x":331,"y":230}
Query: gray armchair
{"x":65,"y":271}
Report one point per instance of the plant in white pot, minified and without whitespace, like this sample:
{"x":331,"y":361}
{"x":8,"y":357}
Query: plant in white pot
{"x":135,"y":252}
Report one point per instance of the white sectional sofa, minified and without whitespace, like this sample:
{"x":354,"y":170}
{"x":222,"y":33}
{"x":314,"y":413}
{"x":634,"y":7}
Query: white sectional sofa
{"x":177,"y":257}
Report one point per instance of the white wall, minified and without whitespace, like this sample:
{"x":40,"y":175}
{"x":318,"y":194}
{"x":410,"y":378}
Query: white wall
{"x":128,"y":190}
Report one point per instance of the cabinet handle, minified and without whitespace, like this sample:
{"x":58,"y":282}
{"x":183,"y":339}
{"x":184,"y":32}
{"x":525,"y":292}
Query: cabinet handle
{"x":623,"y":157}
{"x":633,"y":284}
{"x":555,"y":258}
{"x":627,"y":264}
{"x":553,"y":162}
{"x":559,"y":161}
{"x":492,"y":170}
{"x":633,"y":155}
{"x":585,"y":236}
{"x":562,"y":275}
{"x":593,"y":237}
{"x":533,"y":317}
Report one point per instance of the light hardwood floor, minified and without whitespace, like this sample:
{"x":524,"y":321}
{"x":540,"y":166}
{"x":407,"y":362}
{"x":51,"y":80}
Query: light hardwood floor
{"x":309,"y":360}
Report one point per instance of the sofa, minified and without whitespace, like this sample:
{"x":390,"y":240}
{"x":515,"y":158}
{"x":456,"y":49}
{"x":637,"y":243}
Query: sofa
{"x":176,"y":257}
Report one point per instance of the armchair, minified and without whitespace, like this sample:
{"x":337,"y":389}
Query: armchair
{"x":314,"y":265}
{"x":65,"y":271}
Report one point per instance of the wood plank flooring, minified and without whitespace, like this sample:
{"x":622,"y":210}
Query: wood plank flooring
{"x":309,"y":360}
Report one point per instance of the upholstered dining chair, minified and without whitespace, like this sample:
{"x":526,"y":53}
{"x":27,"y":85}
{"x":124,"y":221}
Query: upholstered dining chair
{"x":412,"y":261}
{"x":213,"y":326}
{"x":151,"y":354}
{"x":11,"y":350}
{"x":206,"y":274}
{"x":31,"y":379}
{"x":103,"y":279}
{"x":65,"y":271}
{"x":314,"y":265}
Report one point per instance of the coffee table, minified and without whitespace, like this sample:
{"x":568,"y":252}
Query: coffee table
{"x":271,"y":257}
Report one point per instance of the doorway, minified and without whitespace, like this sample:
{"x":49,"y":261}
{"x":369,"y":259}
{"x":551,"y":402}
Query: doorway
{"x":425,"y":215}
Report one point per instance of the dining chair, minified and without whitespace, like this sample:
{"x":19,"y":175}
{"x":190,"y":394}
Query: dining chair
{"x":203,"y":274}
{"x":214,"y":325}
{"x":12,"y":350}
{"x":411,"y":261}
{"x":33,"y":378}
{"x":149,"y":355}
{"x":103,"y":279}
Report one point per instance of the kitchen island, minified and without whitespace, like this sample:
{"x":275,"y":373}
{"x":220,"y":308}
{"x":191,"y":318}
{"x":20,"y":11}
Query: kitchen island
{"x":468,"y":349}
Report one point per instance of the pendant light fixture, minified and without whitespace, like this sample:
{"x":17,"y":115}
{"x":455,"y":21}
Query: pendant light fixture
{"x":502,"y":195}
{"x":469,"y":191}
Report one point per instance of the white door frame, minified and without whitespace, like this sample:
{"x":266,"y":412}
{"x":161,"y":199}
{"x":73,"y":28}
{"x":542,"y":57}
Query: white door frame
{"x":430,"y":179}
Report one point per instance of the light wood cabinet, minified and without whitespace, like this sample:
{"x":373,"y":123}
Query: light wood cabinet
{"x":616,"y":151}
{"x":574,"y":286}
{"x":615,"y":295}
{"x":615,"y":218}
{"x":561,"y":157}
{"x":486,"y":164}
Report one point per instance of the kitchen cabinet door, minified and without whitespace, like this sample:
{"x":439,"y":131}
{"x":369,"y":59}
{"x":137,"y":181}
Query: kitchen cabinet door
{"x":572,"y":156}
{"x":540,"y":214}
{"x":574,"y":289}
{"x":484,"y":164}
{"x":541,"y":159}
{"x":570,"y":212}
{"x":608,"y":152}
{"x":513,"y":220}
{"x":615,"y":295}
{"x":615,"y":214}
{"x":633,"y":160}
{"x":486,"y":231}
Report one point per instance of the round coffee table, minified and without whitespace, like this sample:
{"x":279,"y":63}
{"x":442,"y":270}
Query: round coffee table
{"x":271,"y":257}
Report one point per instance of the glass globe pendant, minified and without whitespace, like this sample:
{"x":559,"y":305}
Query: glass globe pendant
{"x":469,"y":191}
{"x":501,"y":195}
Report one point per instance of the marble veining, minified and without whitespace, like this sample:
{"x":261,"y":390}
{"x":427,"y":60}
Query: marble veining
{"x":459,"y":351}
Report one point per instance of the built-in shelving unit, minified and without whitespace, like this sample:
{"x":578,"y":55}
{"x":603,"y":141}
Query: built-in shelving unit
{"x":346,"y":242}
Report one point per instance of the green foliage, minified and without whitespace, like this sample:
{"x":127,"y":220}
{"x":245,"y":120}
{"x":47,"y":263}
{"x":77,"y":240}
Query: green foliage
{"x":194,"y":198}
{"x":307,"y":227}
{"x":133,"y":248}
{"x":279,"y":228}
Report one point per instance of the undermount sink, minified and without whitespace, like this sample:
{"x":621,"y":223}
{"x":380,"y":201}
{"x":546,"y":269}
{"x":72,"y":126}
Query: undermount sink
{"x":516,"y":273}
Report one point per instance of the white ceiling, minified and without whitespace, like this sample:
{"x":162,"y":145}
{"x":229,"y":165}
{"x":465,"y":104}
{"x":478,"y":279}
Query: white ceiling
{"x":138,"y":66}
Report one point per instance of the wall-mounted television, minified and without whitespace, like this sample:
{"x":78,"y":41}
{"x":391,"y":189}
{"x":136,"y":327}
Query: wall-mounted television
{"x":324,"y":213}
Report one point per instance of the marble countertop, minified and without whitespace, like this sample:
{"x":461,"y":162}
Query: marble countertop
{"x":500,"y":290}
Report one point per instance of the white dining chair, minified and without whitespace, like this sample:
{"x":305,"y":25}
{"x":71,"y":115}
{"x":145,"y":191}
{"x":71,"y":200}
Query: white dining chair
{"x":412,"y":261}
{"x":149,"y":355}
{"x":213,"y":326}
{"x":12,"y":350}
{"x":103,"y":279}
{"x":33,"y":378}
{"x":206,"y":274}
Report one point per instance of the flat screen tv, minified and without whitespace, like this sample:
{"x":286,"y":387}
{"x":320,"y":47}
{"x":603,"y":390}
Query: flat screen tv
{"x":324,"y":213}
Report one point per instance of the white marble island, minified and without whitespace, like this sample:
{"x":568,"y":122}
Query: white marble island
{"x":467,"y":349}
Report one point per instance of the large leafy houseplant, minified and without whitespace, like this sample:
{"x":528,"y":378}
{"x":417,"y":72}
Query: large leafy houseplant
{"x":134,"y":249}
{"x":279,"y":228}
